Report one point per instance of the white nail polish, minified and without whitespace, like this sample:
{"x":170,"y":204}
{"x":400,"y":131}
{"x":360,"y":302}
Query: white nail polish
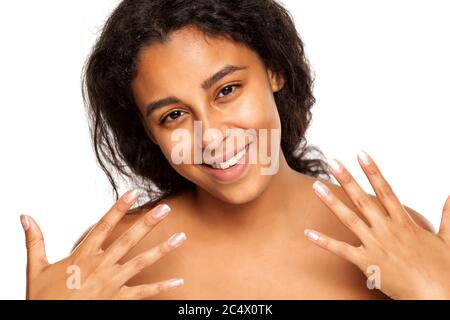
{"x":25,"y":222}
{"x":176,"y":239}
{"x":364,"y":157}
{"x":335,"y":166}
{"x":175,"y":283}
{"x":311,"y":235}
{"x":320,"y":188}
{"x":131,"y":196}
{"x":161,"y":212}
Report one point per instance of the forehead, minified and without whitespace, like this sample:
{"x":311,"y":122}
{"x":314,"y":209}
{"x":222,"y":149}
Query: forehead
{"x":188,"y":57}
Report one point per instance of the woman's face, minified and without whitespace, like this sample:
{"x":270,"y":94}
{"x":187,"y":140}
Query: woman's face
{"x":214,"y":121}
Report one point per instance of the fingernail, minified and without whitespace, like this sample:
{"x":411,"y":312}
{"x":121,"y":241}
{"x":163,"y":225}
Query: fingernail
{"x":320,"y":188}
{"x":175,"y":283}
{"x":161,"y":212}
{"x":311,"y":235}
{"x":364,"y":157}
{"x":25,"y":222}
{"x":131,"y":196}
{"x":176,"y":239}
{"x":335,"y":166}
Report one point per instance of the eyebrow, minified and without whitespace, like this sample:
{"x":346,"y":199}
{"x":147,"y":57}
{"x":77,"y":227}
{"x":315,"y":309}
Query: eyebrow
{"x":206,"y":84}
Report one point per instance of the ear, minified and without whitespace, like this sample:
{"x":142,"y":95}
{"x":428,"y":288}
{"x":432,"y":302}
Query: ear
{"x":276,"y":80}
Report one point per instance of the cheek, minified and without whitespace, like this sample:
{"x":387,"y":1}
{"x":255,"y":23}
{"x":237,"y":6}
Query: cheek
{"x":174,"y":151}
{"x":258,"y":111}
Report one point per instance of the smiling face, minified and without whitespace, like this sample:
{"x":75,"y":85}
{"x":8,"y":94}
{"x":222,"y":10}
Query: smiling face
{"x":216,"y":85}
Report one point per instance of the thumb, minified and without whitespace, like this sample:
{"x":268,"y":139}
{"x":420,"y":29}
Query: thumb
{"x":444,"y":229}
{"x":34,"y":240}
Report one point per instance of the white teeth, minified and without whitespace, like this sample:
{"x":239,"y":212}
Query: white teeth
{"x":230,"y":162}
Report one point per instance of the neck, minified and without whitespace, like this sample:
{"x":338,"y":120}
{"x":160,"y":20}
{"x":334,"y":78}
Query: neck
{"x":263,"y":212}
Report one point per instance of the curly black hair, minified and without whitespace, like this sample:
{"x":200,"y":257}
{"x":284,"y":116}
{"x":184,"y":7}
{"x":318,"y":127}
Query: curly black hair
{"x":119,"y":138}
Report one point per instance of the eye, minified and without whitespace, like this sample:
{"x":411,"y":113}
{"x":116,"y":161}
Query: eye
{"x":172,"y":116}
{"x":228,"y":89}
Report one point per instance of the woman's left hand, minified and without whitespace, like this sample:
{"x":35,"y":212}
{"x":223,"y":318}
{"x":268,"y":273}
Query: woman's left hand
{"x":398,"y":256}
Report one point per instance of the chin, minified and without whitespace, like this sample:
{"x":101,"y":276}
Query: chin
{"x":246,"y":191}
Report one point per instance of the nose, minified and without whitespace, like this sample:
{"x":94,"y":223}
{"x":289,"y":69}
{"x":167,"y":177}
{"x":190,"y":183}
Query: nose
{"x":210,"y":129}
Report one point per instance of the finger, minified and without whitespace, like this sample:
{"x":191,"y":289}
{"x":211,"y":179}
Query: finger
{"x":382,"y":188}
{"x":99,"y":233}
{"x":444,"y":229}
{"x":36,"y":256}
{"x":135,"y":233}
{"x":344,"y":214}
{"x":340,"y":248}
{"x":138,"y":263}
{"x":364,"y":203}
{"x":148,"y":290}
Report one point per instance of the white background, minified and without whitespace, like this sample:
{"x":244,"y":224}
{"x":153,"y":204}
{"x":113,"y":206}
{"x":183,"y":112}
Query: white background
{"x":382,"y":85}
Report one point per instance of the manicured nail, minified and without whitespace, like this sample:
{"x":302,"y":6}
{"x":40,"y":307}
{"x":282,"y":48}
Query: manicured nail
{"x":364,"y":157}
{"x":175,"y":283}
{"x":311,"y":235}
{"x":161,"y":212}
{"x":25,"y":222}
{"x":131,"y":195}
{"x":320,"y":188}
{"x":176,"y":239}
{"x":335,"y":166}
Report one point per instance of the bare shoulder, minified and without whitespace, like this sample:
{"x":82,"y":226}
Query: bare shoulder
{"x":420,"y":219}
{"x":350,"y":281}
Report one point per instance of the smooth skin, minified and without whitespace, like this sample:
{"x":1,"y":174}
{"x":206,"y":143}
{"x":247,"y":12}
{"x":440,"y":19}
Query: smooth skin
{"x":245,"y":239}
{"x":273,"y":260}
{"x":101,"y":276}
{"x":413,"y":263}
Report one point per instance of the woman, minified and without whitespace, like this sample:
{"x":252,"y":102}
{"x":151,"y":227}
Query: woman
{"x":168,"y":81}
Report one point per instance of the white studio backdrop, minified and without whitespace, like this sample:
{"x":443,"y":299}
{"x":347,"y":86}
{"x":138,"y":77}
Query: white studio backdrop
{"x":382,"y":84}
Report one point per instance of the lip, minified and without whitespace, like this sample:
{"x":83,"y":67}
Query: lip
{"x":228,"y":156}
{"x":231,"y":174}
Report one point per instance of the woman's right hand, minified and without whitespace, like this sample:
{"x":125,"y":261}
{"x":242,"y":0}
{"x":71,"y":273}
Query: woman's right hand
{"x":92,"y":273}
